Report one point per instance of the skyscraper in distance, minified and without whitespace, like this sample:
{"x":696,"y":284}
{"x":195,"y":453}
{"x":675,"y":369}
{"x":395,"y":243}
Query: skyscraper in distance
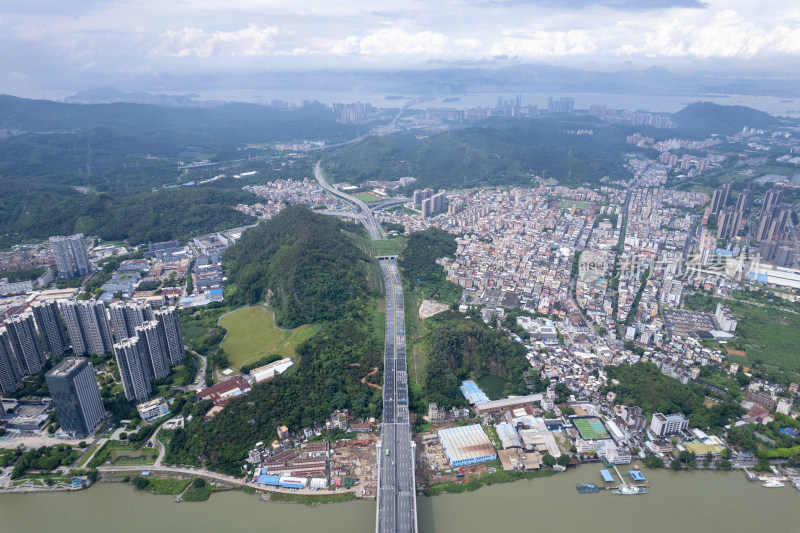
{"x":76,"y":396}
{"x":133,"y":362}
{"x":172,"y":329}
{"x":25,"y":342}
{"x":71,"y":256}
{"x":125,"y":318}
{"x":87,"y":326}
{"x":10,"y":374}
{"x":155,"y":338}
{"x":51,"y":331}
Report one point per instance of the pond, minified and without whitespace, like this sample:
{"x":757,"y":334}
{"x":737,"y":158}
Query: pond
{"x":493,"y":386}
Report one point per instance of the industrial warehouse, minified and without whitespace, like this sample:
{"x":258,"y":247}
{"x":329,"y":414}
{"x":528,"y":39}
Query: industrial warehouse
{"x":466,"y":445}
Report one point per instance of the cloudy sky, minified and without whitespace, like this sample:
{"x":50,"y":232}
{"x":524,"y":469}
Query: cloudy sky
{"x":81,"y":43}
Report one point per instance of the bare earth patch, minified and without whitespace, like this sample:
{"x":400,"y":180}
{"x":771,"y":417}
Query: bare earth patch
{"x":431,"y":307}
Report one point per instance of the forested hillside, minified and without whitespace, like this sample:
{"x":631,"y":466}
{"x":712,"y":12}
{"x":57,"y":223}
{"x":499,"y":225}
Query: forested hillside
{"x":418,"y":264}
{"x":701,"y":119}
{"x":313,"y":271}
{"x":462,"y":349}
{"x":303,"y":264}
{"x":644,"y":385}
{"x":498,"y":152}
{"x":327,"y":377}
{"x":68,"y":168}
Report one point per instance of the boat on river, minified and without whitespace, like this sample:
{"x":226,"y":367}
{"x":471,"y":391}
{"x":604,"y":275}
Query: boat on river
{"x":588,"y":488}
{"x":630,"y":489}
{"x":772,"y":484}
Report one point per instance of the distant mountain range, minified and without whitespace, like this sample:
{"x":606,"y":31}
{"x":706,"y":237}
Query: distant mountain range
{"x":106,"y":95}
{"x":519,"y":78}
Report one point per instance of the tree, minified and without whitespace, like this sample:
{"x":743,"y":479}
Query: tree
{"x":563,"y":460}
{"x":82,"y":444}
{"x":548,"y":460}
{"x":140,"y":483}
{"x":198,"y":483}
{"x":654,"y":461}
{"x":123,"y":436}
{"x":675,"y":465}
{"x":686,"y":456}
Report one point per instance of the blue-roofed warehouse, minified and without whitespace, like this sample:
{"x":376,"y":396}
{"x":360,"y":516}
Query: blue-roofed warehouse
{"x":508,"y":436}
{"x":466,"y":445}
{"x":607,"y":477}
{"x":472,"y":392}
{"x":636,"y":475}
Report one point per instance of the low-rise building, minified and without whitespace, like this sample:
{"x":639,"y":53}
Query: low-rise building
{"x":662,"y":425}
{"x":222,"y":392}
{"x":153,"y":409}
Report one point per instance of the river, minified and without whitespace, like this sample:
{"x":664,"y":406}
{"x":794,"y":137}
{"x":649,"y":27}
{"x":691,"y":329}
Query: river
{"x":689,"y":502}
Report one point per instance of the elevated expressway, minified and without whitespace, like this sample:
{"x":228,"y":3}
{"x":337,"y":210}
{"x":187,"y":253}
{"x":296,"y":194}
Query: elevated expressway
{"x":397,"y":497}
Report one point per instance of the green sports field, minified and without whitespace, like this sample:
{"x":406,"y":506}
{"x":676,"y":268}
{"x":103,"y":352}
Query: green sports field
{"x":252,"y":335}
{"x":366,"y":197}
{"x":591,"y":428}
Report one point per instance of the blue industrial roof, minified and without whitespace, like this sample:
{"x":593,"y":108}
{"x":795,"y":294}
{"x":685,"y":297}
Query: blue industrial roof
{"x":636,"y":475}
{"x":607,"y":476}
{"x":215,"y":291}
{"x":269,"y":480}
{"x":508,"y":435}
{"x":727,"y":253}
{"x":472,"y":392}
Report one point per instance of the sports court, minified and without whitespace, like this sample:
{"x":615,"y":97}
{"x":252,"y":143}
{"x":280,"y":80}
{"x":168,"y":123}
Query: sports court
{"x":591,"y":428}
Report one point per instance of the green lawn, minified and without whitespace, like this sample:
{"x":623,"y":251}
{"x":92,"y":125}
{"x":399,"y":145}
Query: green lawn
{"x":158,"y":485}
{"x":388,"y":246}
{"x":768,"y":333}
{"x":570,"y":203}
{"x":366,"y":197}
{"x":144,"y":456}
{"x":310,"y":499}
{"x":252,"y":335}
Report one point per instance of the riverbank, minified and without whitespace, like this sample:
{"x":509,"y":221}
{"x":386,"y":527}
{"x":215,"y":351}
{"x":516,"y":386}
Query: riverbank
{"x":718,"y":500}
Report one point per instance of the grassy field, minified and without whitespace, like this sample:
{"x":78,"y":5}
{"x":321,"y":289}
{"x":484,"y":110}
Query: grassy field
{"x":768,"y":332}
{"x":389,"y":246}
{"x":310,"y":499}
{"x":571,"y":203}
{"x":366,"y":197}
{"x":122,"y":457}
{"x":252,"y":335}
{"x":165,"y":485}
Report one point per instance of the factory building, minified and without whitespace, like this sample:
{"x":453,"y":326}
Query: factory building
{"x":466,"y":445}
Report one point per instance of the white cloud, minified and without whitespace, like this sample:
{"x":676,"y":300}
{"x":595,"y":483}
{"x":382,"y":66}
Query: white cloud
{"x":250,"y":41}
{"x":393,"y":41}
{"x":728,"y":34}
{"x":545,"y":43}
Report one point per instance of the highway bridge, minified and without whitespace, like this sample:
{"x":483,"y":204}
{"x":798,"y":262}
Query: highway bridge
{"x":397,"y":500}
{"x":373,"y":228}
{"x":397,"y":496}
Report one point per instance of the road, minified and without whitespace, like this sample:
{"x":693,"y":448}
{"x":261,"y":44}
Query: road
{"x":396,"y":491}
{"x":373,"y":228}
{"x":397,"y":497}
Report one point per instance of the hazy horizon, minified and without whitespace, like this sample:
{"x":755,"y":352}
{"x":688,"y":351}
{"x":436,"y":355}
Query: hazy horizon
{"x":147,"y":45}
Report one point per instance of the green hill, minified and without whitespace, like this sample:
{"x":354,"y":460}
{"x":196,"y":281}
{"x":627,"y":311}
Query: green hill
{"x":704,"y":118}
{"x":311,"y":270}
{"x":68,"y":168}
{"x":496,"y":153}
{"x":302,"y":264}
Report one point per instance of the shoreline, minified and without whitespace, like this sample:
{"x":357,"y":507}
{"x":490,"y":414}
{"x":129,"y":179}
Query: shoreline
{"x":318,"y":497}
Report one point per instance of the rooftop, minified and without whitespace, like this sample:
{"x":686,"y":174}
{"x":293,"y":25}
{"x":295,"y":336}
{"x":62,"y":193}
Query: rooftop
{"x":66,"y":366}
